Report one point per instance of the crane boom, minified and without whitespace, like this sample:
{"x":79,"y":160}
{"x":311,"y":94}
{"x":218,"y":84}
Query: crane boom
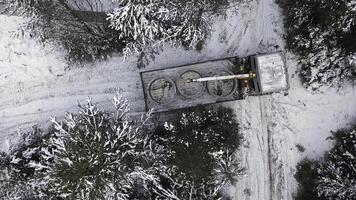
{"x":219,"y":78}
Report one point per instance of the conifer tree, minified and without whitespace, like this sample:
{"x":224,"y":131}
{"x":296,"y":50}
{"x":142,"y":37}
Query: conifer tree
{"x":103,"y":155}
{"x":149,"y":24}
{"x":201,"y":145}
{"x":337,"y":176}
{"x":15,"y":171}
{"x":95,"y":155}
{"x":322,"y":34}
{"x":334,"y":176}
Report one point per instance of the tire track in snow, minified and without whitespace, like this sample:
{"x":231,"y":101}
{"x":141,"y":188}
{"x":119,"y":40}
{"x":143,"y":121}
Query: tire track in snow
{"x":254,"y":152}
{"x":262,"y":32}
{"x":251,"y":31}
{"x":265,"y":107}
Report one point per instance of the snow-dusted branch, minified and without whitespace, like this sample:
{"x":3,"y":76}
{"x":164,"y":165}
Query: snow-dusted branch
{"x":146,"y":25}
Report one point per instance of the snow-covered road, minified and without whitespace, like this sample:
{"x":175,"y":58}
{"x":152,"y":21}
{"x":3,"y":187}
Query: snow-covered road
{"x":34,"y":85}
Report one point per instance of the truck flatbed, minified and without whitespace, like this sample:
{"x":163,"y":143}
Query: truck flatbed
{"x":171,"y":88}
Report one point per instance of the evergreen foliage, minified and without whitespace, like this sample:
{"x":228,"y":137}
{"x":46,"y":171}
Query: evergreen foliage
{"x":90,"y":155}
{"x":307,"y":176}
{"x":201,"y":144}
{"x":334,"y":177}
{"x":322,"y":33}
{"x":147,"y":25}
{"x":15,"y":169}
{"x":151,"y":23}
{"x":52,"y":21}
{"x":139,"y":27}
{"x":337,"y":176}
{"x":100,"y":155}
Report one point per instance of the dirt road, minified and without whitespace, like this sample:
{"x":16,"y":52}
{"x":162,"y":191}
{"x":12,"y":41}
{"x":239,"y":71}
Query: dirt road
{"x":36,"y":83}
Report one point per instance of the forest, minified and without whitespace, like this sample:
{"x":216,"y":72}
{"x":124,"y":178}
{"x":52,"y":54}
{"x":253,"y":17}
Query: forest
{"x":104,"y":147}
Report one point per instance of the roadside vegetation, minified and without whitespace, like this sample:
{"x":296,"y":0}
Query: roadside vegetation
{"x":53,"y":22}
{"x":333,"y":176}
{"x":323,"y":35}
{"x":200,"y":145}
{"x":103,"y":155}
{"x":132,"y":27}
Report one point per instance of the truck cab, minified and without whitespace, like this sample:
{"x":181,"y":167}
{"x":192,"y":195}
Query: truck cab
{"x":271,"y":73}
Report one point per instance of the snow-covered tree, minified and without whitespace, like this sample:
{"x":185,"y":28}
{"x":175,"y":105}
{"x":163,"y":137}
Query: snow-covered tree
{"x":307,"y":178}
{"x":95,"y":155}
{"x":337,"y":176}
{"x":322,"y":33}
{"x":333,"y":177}
{"x":141,"y":27}
{"x":55,"y":22}
{"x":88,"y":155}
{"x":201,"y":144}
{"x":15,"y":171}
{"x":103,"y":155}
{"x":146,"y":25}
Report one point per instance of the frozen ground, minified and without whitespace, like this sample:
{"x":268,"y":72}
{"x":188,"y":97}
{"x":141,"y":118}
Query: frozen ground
{"x":274,"y":125}
{"x":34,"y":85}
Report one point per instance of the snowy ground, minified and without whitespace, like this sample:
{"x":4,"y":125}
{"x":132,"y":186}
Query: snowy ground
{"x":34,"y":85}
{"x":274,"y":125}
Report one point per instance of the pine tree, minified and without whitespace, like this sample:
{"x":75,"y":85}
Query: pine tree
{"x":54,"y":22}
{"x":334,"y":176}
{"x":103,"y":155}
{"x":201,"y":145}
{"x":307,"y":177}
{"x":337,"y":176}
{"x":322,"y":34}
{"x":95,"y":155}
{"x":148,"y":24}
{"x":15,"y":170}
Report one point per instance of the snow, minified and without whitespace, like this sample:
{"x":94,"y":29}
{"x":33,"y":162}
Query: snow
{"x":273,"y":125}
{"x":34,"y":85}
{"x":91,"y":5}
{"x":271,"y":72}
{"x":24,"y":60}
